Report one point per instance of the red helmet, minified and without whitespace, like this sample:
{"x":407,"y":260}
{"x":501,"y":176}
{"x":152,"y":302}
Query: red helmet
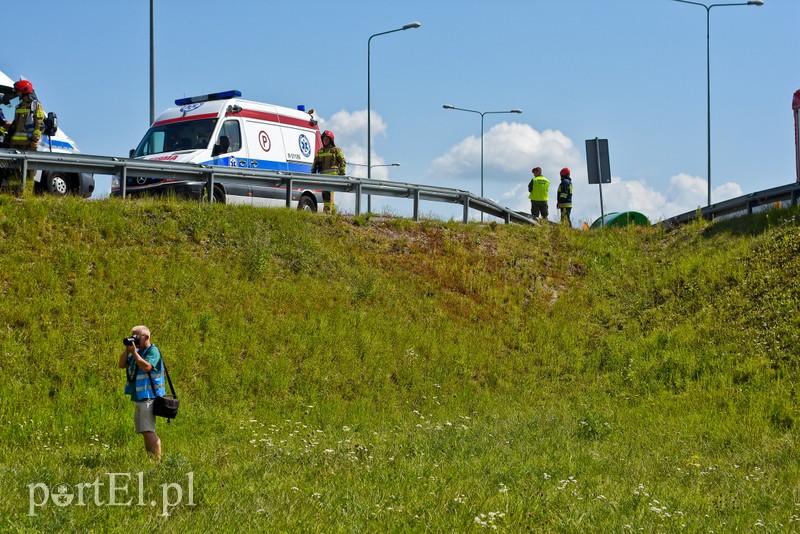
{"x":565,"y":172}
{"x":536,"y":170}
{"x":329,"y":135}
{"x":23,"y":86}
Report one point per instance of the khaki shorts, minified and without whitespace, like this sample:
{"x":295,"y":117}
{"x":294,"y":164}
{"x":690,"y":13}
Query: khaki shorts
{"x":143,"y":416}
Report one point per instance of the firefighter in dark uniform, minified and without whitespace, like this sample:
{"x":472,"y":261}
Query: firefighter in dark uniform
{"x":25,"y":130}
{"x":329,"y":160}
{"x":565,"y":196}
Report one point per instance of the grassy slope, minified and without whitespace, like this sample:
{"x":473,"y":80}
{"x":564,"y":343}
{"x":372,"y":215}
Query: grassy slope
{"x":341,"y":375}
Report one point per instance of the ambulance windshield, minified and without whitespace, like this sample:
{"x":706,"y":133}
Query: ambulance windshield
{"x":184,"y":135}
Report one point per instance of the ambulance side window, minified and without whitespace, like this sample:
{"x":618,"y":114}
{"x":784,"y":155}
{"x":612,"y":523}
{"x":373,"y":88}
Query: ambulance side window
{"x":153,"y":143}
{"x":230,"y":129}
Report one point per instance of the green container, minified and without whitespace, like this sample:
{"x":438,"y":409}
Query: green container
{"x":621,"y":218}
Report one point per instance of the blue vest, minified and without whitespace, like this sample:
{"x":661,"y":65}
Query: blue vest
{"x":138,"y":384}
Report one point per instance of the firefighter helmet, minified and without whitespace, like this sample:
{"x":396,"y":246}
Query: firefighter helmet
{"x":329,"y":135}
{"x":565,"y":172}
{"x":23,"y":86}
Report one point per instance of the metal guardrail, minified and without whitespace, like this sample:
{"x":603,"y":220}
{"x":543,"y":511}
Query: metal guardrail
{"x":124,"y":167}
{"x":744,"y":204}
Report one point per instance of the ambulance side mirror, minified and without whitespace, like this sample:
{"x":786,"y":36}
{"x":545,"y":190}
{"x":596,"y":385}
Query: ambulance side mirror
{"x":131,"y":153}
{"x":222,"y":147}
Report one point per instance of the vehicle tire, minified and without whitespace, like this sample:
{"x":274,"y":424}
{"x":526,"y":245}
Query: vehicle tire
{"x":219,"y":195}
{"x":306,"y":203}
{"x":57,"y":183}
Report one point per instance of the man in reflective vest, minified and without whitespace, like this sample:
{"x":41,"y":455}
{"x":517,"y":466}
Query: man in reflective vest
{"x":565,"y":196}
{"x":329,"y":160}
{"x":26,"y":129}
{"x":539,"y":188}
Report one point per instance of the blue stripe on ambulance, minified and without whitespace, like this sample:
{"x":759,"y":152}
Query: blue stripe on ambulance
{"x":262,"y":164}
{"x":299,"y":167}
{"x":60,"y":144}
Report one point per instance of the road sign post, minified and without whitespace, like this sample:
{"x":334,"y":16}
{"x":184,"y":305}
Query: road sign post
{"x":598,"y":167}
{"x":796,"y":110}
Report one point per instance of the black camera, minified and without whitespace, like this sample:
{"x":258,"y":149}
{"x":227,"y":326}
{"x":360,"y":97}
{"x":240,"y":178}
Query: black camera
{"x":128,"y":341}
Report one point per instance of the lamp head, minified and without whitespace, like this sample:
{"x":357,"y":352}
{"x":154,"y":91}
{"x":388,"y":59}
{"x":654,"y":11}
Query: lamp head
{"x":414,"y":25}
{"x":755,"y":3}
{"x":448,"y":106}
{"x":516,"y":111}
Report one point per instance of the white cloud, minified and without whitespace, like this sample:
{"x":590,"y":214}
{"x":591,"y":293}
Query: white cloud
{"x":511,"y":147}
{"x":354,"y":125}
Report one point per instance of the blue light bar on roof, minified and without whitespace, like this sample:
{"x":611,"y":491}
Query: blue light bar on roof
{"x":224,"y":95}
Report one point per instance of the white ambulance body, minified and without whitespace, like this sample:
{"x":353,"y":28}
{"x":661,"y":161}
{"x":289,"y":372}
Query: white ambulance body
{"x":56,"y":182}
{"x":225,"y":130}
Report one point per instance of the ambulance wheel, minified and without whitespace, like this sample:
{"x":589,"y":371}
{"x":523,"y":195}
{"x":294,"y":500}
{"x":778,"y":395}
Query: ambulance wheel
{"x":306,"y":203}
{"x":219,"y":195}
{"x":57,"y":184}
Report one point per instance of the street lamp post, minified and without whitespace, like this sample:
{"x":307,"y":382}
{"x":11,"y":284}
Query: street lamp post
{"x":708,"y":70}
{"x":410,"y":26}
{"x":152,"y":69}
{"x":481,"y":113}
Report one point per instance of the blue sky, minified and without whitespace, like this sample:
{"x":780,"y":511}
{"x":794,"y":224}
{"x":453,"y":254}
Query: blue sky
{"x":631,"y":71}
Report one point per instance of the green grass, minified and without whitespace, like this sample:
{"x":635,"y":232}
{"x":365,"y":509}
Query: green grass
{"x":365,"y":375}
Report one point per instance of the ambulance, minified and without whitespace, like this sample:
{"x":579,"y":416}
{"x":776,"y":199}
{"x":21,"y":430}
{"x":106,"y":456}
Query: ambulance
{"x":222,"y":129}
{"x":55,"y":182}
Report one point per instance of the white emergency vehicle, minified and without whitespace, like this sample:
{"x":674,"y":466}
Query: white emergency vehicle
{"x":225,"y":130}
{"x":56,"y":182}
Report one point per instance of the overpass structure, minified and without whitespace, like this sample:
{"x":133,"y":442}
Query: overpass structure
{"x":125,"y":167}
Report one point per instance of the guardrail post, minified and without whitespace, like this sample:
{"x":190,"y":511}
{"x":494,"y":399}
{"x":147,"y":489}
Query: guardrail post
{"x":24,"y":171}
{"x":210,"y":186}
{"x":466,"y":209}
{"x":123,"y":178}
{"x":358,"y":199}
{"x":416,"y":204}
{"x":289,"y":193}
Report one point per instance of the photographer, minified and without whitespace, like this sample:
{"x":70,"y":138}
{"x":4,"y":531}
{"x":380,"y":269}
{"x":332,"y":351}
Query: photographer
{"x":138,"y":358}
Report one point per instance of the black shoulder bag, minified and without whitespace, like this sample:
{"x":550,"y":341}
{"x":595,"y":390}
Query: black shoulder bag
{"x":166,"y":406}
